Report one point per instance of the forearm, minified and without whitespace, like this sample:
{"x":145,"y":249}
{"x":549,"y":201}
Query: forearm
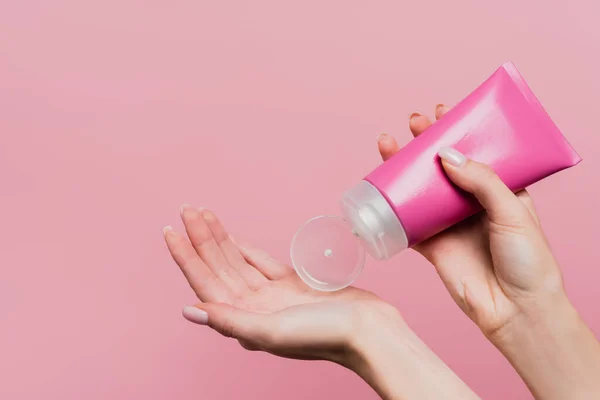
{"x":554,"y":352}
{"x":398,"y":365}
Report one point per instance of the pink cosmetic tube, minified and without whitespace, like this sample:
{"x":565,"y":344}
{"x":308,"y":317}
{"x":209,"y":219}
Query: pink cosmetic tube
{"x":409,"y":198}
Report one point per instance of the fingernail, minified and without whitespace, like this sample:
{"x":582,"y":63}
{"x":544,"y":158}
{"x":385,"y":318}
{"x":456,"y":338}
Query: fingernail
{"x":183,"y":208}
{"x":195,"y":315}
{"x":381,"y":136}
{"x":166,"y":229}
{"x":441,"y":109}
{"x":414,"y":115}
{"x":452,"y":156}
{"x":207,"y":215}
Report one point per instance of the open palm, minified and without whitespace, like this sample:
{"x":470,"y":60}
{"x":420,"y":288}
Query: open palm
{"x":261,"y":302}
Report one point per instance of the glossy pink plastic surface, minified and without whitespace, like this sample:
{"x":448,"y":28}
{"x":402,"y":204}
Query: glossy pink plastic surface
{"x":501,"y":124}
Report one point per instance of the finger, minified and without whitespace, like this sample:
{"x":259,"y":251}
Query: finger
{"x":263,"y":262}
{"x":440,"y":110}
{"x":232,"y":322}
{"x":418,"y":123}
{"x":232,"y":253}
{"x":526,"y":199}
{"x":501,"y":204}
{"x":208,"y":250}
{"x":387,"y":146}
{"x":202,"y":280}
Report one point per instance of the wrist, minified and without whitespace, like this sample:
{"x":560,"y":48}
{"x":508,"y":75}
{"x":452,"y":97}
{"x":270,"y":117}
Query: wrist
{"x":392,"y":359}
{"x":553,"y":350}
{"x":550,"y":315}
{"x":373,"y":329}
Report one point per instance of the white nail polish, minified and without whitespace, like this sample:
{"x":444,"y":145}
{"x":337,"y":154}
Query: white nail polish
{"x":381,"y":136}
{"x":195,"y":315}
{"x":183,"y":208}
{"x":452,"y":156}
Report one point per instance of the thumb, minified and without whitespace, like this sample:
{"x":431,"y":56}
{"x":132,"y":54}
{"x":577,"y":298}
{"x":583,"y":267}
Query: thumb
{"x":230,"y":321}
{"x":501,"y":204}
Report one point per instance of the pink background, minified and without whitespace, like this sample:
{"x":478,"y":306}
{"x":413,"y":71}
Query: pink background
{"x":113,"y":113}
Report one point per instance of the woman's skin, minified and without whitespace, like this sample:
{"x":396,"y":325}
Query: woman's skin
{"x":500,"y":270}
{"x":496,"y":265}
{"x":263,"y":304}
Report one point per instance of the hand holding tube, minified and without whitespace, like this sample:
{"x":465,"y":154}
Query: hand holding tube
{"x":498,"y":267}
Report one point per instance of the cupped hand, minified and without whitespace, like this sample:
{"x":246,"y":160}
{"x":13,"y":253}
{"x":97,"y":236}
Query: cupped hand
{"x":497,"y":264}
{"x":261,"y":302}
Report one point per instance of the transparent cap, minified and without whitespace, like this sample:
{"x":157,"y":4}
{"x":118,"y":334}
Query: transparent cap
{"x":328,"y":252}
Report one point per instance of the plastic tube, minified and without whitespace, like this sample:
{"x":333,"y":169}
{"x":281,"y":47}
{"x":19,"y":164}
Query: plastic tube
{"x":409,"y":198}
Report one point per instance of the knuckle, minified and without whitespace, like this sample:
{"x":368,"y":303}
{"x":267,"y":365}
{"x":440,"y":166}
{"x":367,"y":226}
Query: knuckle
{"x":251,"y":346}
{"x":511,"y":220}
{"x":486,"y":180}
{"x":487,"y":174}
{"x":228,"y":326}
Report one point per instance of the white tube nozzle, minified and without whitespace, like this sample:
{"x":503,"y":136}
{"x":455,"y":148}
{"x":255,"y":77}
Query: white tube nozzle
{"x":374,"y":221}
